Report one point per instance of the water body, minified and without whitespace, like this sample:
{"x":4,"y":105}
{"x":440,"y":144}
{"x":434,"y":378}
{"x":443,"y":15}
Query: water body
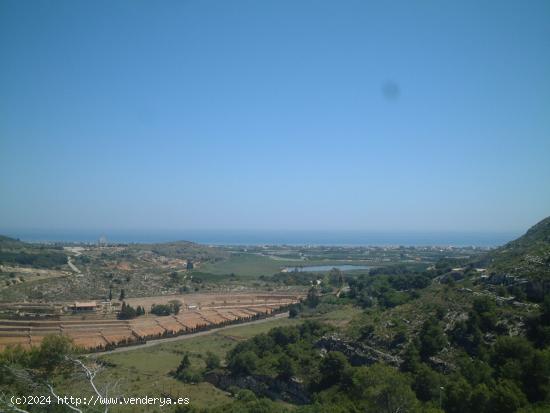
{"x":324,"y":268}
{"x":272,"y":237}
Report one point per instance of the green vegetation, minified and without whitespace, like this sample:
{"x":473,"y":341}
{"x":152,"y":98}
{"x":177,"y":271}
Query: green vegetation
{"x":173,"y":307}
{"x":128,"y":312}
{"x":526,"y":258}
{"x":15,"y":252}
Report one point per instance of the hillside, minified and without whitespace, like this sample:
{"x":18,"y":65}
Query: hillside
{"x":15,"y":252}
{"x":7,"y":242}
{"x":523,"y":265}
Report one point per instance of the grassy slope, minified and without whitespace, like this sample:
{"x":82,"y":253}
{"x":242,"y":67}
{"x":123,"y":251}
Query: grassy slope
{"x":146,"y":371}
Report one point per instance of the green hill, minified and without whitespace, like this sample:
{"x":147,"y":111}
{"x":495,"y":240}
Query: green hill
{"x":7,"y":242}
{"x":15,"y":252}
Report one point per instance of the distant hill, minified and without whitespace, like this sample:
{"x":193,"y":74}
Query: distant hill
{"x":15,"y":252}
{"x":7,"y":242}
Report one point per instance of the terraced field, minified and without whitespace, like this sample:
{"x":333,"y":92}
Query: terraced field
{"x":95,"y":332}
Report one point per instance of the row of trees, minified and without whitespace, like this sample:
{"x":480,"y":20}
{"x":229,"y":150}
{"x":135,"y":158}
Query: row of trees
{"x":128,"y":312}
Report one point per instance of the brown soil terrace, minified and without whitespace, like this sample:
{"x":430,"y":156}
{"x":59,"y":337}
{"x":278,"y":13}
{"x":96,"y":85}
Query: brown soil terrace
{"x":99,"y":331}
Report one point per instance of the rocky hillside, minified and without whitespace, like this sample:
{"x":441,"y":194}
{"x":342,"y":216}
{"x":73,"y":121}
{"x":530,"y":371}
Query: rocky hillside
{"x":523,"y":265}
{"x":528,"y":256}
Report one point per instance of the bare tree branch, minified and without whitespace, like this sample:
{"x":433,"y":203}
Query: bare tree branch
{"x":65,"y":404}
{"x":90,"y":374}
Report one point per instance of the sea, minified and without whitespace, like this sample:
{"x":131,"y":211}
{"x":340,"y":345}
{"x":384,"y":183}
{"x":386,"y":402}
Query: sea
{"x":269,"y":237}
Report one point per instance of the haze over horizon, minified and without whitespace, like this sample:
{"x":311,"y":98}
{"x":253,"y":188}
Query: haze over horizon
{"x":274,"y":115}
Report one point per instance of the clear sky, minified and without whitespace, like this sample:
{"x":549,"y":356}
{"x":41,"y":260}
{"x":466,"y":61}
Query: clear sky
{"x":333,"y":115}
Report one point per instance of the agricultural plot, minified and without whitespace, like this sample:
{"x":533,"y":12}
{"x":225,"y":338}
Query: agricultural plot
{"x":95,"y":333}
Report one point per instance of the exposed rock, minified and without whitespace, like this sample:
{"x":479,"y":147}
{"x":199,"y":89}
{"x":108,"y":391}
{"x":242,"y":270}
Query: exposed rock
{"x":291,"y":391}
{"x":357,"y":353}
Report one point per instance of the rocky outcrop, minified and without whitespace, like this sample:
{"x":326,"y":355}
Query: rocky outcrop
{"x":357,"y":353}
{"x":290,"y":391}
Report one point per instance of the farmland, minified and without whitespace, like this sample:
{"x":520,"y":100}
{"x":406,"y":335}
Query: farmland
{"x":101,"y":330}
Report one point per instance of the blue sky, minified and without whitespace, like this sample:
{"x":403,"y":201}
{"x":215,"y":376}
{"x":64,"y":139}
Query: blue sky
{"x":273,"y":115}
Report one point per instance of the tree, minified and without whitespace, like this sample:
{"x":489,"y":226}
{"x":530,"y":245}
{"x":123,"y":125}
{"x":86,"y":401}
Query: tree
{"x":285,"y":367}
{"x":508,"y":397}
{"x":127,"y":312}
{"x":53,"y":351}
{"x":293,"y":311}
{"x":243,"y":363}
{"x":312,"y":299}
{"x":212,"y":361}
{"x":484,"y":311}
{"x":457,"y":396}
{"x":427,"y":383}
{"x":411,"y":358}
{"x":332,"y":368}
{"x":185,"y":363}
{"x":432,"y":338}
{"x":175,"y":306}
{"x":382,"y":389}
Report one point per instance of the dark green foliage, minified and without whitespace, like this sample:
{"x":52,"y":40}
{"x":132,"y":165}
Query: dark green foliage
{"x":411,"y":358}
{"x":484,"y":310}
{"x":427,"y":383}
{"x":38,"y":259}
{"x":332,"y":368}
{"x":173,"y":307}
{"x":432,"y":338}
{"x":185,"y":363}
{"x":185,"y":373}
{"x":507,"y":397}
{"x":388,"y":286}
{"x":294,"y":310}
{"x":263,"y":354}
{"x":128,"y":312}
{"x":312,"y":299}
{"x":212,"y":361}
{"x":243,"y":363}
{"x":52,"y":352}
{"x":381,"y":388}
{"x":538,"y":327}
{"x":285,"y":367}
{"x":515,"y":359}
{"x":481,"y":319}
